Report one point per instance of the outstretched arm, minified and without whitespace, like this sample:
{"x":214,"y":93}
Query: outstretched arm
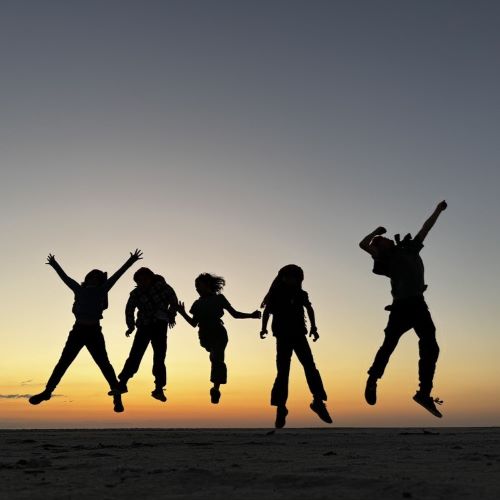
{"x":134,"y":257}
{"x":429,"y":223}
{"x":312,"y":319}
{"x":265,"y":319}
{"x":185,"y":315}
{"x":70,"y":282}
{"x":240,"y":315}
{"x":365,"y":242}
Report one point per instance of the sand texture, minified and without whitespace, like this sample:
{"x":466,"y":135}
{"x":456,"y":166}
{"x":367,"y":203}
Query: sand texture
{"x":251,"y":464}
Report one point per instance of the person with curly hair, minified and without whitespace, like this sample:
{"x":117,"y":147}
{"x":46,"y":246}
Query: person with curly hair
{"x":206,"y":313}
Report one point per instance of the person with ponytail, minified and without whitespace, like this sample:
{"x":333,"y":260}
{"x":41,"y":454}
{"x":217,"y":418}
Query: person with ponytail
{"x":286,"y":302}
{"x":91,"y":299}
{"x":206,"y":313}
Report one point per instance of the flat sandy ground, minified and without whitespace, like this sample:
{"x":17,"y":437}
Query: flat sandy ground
{"x":251,"y":464}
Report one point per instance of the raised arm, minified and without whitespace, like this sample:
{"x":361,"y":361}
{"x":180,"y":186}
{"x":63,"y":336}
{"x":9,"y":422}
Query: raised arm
{"x":265,"y":319}
{"x":70,"y":282}
{"x":182,"y":311}
{"x":429,"y":223}
{"x":364,"y":244}
{"x":134,"y":257}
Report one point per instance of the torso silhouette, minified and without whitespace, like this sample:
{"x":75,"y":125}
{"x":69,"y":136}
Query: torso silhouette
{"x":404,"y":266}
{"x":208,"y":310}
{"x":287,"y":309}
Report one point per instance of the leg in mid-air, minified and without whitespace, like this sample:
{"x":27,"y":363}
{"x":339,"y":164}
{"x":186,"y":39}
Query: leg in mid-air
{"x":159,"y":345}
{"x":97,"y":348}
{"x":429,"y":353}
{"x":139,"y":346}
{"x":279,"y":392}
{"x":218,"y":368}
{"x":398,"y":324}
{"x":73,"y":346}
{"x":304,"y":354}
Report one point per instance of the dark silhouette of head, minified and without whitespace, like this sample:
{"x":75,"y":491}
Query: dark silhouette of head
{"x":209,"y":284}
{"x":144,"y":277}
{"x":380,"y":245}
{"x":288,"y":280}
{"x":95,"y":277}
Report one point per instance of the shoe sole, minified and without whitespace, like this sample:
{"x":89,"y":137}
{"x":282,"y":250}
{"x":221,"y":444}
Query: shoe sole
{"x":432,"y":411}
{"x":38,"y":402}
{"x":112,"y":393}
{"x":118,"y":405}
{"x":277,"y":425}
{"x":324,"y":418}
{"x":215,"y":398}
{"x":371,"y":402}
{"x":159,"y":398}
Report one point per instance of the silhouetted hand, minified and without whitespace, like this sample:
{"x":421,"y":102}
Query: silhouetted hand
{"x":51,"y":260}
{"x":314,"y":334}
{"x":137,"y":255}
{"x":263,"y":334}
{"x":381,"y":230}
{"x":181,"y":308}
{"x":442,"y":206}
{"x":256,"y":315}
{"x":129,"y":331}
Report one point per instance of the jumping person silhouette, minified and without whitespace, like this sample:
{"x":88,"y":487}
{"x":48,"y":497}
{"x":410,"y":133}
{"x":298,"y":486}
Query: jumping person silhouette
{"x":91,"y":299}
{"x":400,"y":261}
{"x":156,"y":303}
{"x":286,"y":301}
{"x":207,"y":312}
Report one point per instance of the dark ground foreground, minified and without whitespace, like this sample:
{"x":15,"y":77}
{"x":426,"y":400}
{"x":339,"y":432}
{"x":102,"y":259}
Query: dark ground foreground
{"x":251,"y":464}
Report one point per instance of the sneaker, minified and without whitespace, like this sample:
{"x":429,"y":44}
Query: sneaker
{"x":38,"y":398}
{"x":117,"y":402}
{"x":371,"y":391}
{"x":121,"y":389}
{"x":429,"y":403}
{"x":159,"y":394}
{"x":214,"y":395}
{"x":319,"y":408}
{"x":281,"y":413}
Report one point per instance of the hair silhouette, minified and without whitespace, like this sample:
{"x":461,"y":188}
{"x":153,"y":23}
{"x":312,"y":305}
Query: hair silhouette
{"x":95,"y":277}
{"x":214,"y":283}
{"x":277,"y":286}
{"x":143,"y":272}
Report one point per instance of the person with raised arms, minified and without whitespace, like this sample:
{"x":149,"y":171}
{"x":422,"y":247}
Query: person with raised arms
{"x":400,"y":261}
{"x":91,"y":299}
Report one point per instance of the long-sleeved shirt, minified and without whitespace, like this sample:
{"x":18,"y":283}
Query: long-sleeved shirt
{"x":158,"y":301}
{"x":90,"y":301}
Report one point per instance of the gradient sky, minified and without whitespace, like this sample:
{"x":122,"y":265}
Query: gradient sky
{"x":236,"y":137}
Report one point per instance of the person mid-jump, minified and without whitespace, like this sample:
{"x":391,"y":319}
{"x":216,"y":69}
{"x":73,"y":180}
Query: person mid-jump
{"x":400,"y":261}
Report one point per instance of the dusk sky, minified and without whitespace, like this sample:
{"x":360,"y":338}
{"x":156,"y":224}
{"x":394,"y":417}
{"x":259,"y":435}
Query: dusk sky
{"x":236,"y":137}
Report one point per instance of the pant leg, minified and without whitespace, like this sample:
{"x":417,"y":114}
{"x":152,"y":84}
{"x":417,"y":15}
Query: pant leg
{"x":139,"y":346}
{"x":73,"y":346}
{"x":159,"y":345}
{"x":279,"y":392}
{"x":217,"y":349}
{"x":400,"y":321}
{"x":303,"y":351}
{"x":97,"y":348}
{"x":428,"y":347}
